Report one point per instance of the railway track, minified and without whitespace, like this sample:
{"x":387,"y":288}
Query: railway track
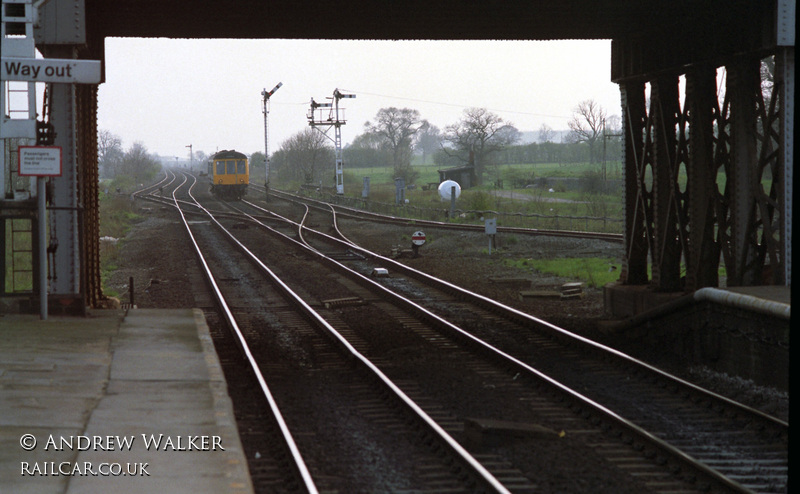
{"x":632,"y":389}
{"x":536,"y":384}
{"x":369,"y":216}
{"x":391,"y":445}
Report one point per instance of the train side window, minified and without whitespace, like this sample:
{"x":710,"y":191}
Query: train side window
{"x":240,"y":167}
{"x":231,"y":167}
{"x":220,"y":167}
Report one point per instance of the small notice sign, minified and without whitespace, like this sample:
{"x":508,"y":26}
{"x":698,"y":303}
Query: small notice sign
{"x":39,"y":161}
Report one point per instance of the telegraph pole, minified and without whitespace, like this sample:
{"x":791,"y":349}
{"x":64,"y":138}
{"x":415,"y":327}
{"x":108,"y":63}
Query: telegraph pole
{"x":315,"y":120}
{"x":265,"y":100}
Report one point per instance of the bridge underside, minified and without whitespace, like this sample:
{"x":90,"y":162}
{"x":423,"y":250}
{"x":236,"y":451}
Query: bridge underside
{"x":732,"y":139}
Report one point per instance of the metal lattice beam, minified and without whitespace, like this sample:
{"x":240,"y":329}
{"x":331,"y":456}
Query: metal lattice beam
{"x":638,"y":200}
{"x":738,"y":142}
{"x":703,"y":254}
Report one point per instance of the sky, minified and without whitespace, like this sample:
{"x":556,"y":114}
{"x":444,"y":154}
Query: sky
{"x":169,"y":94}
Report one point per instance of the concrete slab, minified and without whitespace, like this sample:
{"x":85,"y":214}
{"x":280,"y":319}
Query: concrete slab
{"x":116,"y":402}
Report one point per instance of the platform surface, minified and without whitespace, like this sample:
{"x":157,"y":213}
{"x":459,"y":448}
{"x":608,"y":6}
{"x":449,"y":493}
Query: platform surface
{"x":780,"y":294}
{"x":123,"y":402}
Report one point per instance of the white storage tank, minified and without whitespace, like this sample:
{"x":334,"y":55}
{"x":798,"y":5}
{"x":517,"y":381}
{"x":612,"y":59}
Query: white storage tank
{"x":445,"y":189}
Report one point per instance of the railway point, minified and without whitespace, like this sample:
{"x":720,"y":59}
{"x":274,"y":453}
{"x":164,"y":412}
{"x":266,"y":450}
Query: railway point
{"x":119,"y":401}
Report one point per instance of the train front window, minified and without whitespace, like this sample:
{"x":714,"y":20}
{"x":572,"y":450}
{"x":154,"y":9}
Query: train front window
{"x":240,"y":167}
{"x":231,"y":167}
{"x":220,"y":167}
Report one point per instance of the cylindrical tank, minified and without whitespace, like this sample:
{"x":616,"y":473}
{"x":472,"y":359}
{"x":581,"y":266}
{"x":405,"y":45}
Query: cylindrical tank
{"x":445,"y":189}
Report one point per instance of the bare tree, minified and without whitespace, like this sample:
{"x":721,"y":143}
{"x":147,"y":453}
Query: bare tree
{"x":587,"y":125}
{"x":109,"y":153}
{"x":138,"y":164}
{"x":366,"y":150}
{"x":396,"y":128}
{"x":429,"y":140}
{"x":546,"y":133}
{"x":478,"y":135}
{"x":306,"y":154}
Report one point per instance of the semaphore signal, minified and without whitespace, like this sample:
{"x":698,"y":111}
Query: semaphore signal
{"x":316,"y":119}
{"x":265,"y":95}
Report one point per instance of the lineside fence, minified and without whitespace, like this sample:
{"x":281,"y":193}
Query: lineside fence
{"x":504,"y":218}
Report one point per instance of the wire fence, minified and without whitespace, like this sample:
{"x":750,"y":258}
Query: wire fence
{"x":468,"y":216}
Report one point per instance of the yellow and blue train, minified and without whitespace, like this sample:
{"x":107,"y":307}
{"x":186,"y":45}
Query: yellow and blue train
{"x":230,"y":174}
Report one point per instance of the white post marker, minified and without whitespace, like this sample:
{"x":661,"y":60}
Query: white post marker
{"x":41,"y":162}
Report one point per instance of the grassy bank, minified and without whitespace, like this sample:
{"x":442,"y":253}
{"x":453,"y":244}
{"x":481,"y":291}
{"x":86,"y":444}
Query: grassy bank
{"x":594,"y":271}
{"x":117,"y":216}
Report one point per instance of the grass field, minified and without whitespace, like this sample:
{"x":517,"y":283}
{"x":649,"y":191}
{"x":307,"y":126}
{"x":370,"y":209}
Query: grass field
{"x":580,"y":206}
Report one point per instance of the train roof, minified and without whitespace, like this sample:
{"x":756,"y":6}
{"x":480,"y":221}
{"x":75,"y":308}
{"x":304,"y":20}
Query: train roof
{"x":226,"y":155}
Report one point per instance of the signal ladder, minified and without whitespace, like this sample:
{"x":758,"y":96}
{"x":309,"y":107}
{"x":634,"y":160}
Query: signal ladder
{"x":18,"y":102}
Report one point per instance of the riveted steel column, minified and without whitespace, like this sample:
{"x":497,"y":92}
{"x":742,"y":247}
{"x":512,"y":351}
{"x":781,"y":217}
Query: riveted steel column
{"x":704,"y":253}
{"x":784,"y":81}
{"x":61,"y":33}
{"x":65,"y":267}
{"x":634,"y":118}
{"x":743,"y":86}
{"x":88,"y":191}
{"x":666,"y":247}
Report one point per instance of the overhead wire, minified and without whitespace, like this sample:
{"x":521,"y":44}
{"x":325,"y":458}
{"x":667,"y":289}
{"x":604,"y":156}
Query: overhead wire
{"x":417,"y":100}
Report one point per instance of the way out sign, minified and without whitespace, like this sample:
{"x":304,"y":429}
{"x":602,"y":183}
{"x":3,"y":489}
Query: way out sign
{"x":39,"y":161}
{"x":57,"y":70}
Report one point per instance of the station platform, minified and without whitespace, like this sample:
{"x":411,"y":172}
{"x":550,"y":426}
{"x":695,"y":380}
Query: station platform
{"x":120,"y":401}
{"x":632,"y":301}
{"x":739,"y":331}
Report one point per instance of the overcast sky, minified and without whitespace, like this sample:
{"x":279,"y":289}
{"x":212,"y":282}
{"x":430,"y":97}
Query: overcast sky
{"x":168,"y":94}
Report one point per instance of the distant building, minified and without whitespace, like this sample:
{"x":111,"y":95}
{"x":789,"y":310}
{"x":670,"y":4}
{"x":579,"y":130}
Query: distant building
{"x":464,"y":175}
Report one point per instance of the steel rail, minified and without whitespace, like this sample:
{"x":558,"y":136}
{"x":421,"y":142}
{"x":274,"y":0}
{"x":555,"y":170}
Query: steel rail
{"x":710,"y":473}
{"x":360,"y":214}
{"x":454,"y":446}
{"x":625,"y":424}
{"x":160,"y":183}
{"x":498,"y":307}
{"x":299,"y":463}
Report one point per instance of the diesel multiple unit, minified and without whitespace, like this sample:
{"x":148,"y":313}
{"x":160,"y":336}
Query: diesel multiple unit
{"x":230,"y":174}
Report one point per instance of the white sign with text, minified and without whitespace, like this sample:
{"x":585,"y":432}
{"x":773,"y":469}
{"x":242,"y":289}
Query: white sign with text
{"x":50,"y":70}
{"x":39,"y":161}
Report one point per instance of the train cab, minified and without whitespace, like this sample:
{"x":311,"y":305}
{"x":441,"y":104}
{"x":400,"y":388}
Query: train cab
{"x":230,"y":174}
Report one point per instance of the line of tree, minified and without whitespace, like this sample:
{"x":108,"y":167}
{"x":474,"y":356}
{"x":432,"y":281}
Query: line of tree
{"x":125,"y":168}
{"x":306,"y":156}
{"x":480,"y":138}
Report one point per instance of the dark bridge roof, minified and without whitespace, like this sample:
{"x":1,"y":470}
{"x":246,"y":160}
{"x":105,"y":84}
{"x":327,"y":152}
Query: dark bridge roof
{"x":420,"y":19}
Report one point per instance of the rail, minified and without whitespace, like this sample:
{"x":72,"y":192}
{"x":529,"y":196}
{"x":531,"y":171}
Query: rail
{"x":299,"y":463}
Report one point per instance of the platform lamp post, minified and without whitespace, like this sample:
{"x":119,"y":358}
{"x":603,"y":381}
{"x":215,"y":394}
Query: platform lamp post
{"x":265,"y":95}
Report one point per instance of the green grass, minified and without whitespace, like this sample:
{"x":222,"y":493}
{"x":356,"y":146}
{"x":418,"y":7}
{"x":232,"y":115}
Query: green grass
{"x":594,"y":271}
{"x":116,"y":219}
{"x":385,"y":175}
